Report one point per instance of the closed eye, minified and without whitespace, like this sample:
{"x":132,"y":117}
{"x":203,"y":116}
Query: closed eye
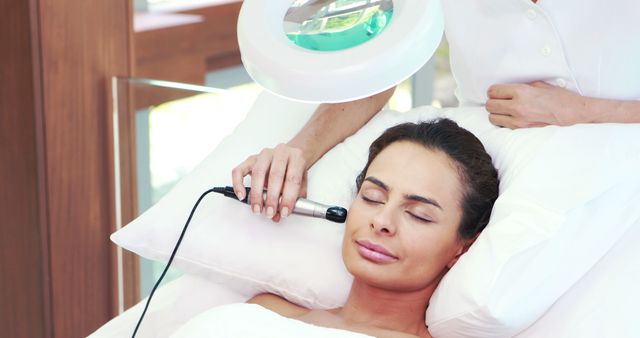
{"x":420,"y":219}
{"x":368,"y":200}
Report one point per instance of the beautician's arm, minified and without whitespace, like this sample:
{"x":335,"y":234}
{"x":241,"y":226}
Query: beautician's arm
{"x":288,"y":163}
{"x":540,"y":104}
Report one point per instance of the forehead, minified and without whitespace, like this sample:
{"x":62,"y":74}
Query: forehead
{"x":412,"y":168}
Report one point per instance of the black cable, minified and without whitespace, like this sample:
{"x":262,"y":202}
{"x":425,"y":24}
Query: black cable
{"x":173,"y":254}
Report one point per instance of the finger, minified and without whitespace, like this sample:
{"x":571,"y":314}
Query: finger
{"x":259,"y":173}
{"x":503,"y":91}
{"x":303,"y":187}
{"x":276,"y":177}
{"x":541,"y":84}
{"x":237,"y":176}
{"x":292,"y":185}
{"x":499,"y":106}
{"x":537,"y":124}
{"x":501,"y":120}
{"x":512,"y":122}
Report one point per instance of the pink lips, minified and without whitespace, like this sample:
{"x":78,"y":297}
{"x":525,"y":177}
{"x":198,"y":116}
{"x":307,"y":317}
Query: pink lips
{"x":374,"y":252}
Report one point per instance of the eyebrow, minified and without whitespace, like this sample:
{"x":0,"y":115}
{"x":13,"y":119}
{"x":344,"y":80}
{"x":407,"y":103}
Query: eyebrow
{"x":416,"y":198}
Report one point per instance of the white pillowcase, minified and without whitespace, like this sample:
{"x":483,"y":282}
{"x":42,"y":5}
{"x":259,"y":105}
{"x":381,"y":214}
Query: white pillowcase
{"x":567,"y":196}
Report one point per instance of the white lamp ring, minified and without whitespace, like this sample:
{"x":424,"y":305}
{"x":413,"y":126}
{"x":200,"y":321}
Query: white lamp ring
{"x":288,"y":70}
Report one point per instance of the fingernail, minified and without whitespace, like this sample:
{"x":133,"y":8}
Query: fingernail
{"x":240,"y":195}
{"x":256,"y":208}
{"x":284,"y":212}
{"x":269,"y":212}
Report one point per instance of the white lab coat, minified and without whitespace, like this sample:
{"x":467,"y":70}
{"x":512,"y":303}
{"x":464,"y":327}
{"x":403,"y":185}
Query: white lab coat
{"x":589,"y":46}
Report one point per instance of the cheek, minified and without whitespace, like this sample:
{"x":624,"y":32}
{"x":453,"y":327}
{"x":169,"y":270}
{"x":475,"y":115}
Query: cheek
{"x":357,"y":225}
{"x":357,"y":217}
{"x":429,"y":253}
{"x":351,"y":228}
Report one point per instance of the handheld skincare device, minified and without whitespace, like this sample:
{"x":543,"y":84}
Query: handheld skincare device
{"x":303,"y":206}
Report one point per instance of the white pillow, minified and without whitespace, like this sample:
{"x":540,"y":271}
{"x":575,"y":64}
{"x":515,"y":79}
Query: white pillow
{"x":567,"y":195}
{"x":604,"y":303}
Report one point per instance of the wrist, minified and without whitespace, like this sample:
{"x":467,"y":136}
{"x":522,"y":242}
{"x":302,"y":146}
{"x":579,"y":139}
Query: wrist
{"x":600,"y":110}
{"x":319,"y":135}
{"x":585,"y":110}
{"x":307,"y":154}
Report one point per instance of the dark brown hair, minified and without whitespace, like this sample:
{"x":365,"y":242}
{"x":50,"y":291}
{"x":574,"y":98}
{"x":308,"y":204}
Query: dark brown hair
{"x":478,"y":175}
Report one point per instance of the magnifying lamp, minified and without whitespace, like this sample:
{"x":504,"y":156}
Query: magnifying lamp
{"x":328,"y":51}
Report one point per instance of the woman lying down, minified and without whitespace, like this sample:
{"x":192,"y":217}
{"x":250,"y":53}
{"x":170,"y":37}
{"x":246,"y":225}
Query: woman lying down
{"x":424,"y":195}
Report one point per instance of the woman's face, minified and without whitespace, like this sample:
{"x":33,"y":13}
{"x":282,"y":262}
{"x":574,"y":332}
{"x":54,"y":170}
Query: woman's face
{"x":401,"y":230}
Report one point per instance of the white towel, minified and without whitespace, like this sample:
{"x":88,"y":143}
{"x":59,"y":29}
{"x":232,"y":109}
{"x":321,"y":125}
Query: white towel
{"x":243,"y":320}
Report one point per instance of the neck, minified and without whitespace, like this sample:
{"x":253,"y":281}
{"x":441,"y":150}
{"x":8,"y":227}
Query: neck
{"x":401,"y":311}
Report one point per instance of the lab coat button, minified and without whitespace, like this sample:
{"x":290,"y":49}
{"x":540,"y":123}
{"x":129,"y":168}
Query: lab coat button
{"x":545,"y":51}
{"x":561,"y":82}
{"x":531,"y":14}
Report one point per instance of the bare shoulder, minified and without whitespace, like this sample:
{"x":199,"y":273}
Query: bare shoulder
{"x":278,"y":305}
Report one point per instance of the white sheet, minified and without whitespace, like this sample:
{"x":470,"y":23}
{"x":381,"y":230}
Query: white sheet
{"x":172,"y":305}
{"x":254,"y":321}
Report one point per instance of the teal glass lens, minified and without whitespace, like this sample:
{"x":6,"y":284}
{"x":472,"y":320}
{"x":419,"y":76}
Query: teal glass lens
{"x":331,"y":25}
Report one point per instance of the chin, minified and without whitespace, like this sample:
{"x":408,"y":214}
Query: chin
{"x":387,"y":276}
{"x":378,"y":275}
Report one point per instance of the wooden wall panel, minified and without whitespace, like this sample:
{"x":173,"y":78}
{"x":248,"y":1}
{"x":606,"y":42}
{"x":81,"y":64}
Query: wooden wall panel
{"x":187,"y":68}
{"x":23,"y":260}
{"x":56,"y":190}
{"x":208,"y":45}
{"x":219,"y":40}
{"x":83,"y":44}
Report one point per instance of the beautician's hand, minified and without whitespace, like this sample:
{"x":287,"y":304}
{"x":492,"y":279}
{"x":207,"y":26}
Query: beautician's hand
{"x":533,"y":105}
{"x":282,"y":170}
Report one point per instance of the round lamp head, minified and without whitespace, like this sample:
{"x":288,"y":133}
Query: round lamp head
{"x":328,"y":51}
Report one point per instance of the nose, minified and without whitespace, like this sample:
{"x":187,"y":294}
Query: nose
{"x":383,"y":222}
